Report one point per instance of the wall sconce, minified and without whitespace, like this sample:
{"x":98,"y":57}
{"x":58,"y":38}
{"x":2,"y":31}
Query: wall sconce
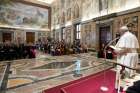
{"x":125,"y":20}
{"x":135,"y":19}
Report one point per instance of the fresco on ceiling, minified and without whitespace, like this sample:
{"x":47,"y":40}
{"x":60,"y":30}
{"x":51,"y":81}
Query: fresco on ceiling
{"x":24,"y":16}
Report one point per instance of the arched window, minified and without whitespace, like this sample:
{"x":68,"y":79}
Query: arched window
{"x":76,"y":11}
{"x":63,"y":18}
{"x":69,"y":14}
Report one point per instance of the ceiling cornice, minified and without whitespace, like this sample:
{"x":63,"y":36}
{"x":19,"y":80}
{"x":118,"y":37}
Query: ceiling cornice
{"x":34,"y":3}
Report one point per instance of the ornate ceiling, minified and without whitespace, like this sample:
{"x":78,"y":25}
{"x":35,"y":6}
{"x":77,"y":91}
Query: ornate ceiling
{"x":46,"y":1}
{"x":39,"y":2}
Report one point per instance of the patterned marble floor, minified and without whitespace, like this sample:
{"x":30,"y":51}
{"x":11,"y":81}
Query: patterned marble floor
{"x":35,"y":75}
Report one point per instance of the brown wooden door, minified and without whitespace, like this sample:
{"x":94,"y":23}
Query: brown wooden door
{"x":7,"y":37}
{"x":30,"y":37}
{"x":105,"y":36}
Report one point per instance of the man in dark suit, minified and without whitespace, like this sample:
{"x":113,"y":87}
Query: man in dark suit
{"x":135,"y":88}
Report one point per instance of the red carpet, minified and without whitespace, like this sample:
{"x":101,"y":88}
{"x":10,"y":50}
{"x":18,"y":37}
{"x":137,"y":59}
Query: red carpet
{"x":92,"y":84}
{"x":89,"y":84}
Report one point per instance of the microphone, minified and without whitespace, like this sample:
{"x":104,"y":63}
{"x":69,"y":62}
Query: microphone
{"x":111,"y":42}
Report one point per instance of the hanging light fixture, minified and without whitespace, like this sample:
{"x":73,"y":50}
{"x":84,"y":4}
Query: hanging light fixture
{"x":104,"y":88}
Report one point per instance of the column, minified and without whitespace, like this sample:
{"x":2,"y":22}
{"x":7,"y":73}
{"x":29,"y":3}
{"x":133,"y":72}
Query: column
{"x":1,"y":36}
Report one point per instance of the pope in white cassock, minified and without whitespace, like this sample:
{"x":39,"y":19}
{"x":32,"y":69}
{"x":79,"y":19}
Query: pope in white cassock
{"x":126,"y":49}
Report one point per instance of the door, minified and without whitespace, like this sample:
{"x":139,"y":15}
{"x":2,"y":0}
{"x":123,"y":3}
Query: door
{"x":30,"y":37}
{"x":105,"y":36}
{"x":7,"y":37}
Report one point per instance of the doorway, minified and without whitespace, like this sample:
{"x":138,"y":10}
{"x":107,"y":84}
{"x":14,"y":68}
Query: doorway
{"x":105,"y":36}
{"x":30,"y":37}
{"x":6,"y":36}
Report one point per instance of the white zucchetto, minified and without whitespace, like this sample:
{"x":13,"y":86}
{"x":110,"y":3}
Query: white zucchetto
{"x":124,"y":28}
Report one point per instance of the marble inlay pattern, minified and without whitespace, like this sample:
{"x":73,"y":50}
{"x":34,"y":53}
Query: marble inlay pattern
{"x":28,"y":76}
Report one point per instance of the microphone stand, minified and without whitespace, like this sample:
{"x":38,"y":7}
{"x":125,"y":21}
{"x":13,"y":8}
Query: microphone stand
{"x":105,"y":88}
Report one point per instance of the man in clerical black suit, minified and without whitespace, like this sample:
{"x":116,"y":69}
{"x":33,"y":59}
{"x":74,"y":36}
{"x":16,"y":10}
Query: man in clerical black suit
{"x":135,"y":88}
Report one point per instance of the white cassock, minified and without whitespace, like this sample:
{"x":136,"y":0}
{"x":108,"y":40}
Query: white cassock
{"x":128,"y":41}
